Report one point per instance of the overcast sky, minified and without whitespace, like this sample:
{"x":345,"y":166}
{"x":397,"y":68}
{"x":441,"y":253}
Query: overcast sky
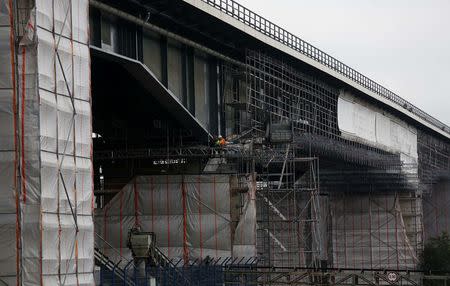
{"x":402,"y":44}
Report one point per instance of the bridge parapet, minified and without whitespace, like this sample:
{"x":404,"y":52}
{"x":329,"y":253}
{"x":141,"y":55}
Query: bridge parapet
{"x":269,"y":29}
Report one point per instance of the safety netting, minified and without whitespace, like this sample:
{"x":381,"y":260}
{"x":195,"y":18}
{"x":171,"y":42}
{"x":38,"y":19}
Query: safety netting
{"x":369,"y":232}
{"x":436,"y":210}
{"x":45,"y":144}
{"x":190,"y":215}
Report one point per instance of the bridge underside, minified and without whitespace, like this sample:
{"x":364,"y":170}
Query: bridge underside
{"x":317,"y":172}
{"x":323,"y":198}
{"x":324,"y":175}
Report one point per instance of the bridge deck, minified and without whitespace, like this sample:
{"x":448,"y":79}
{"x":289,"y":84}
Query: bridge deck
{"x":264,"y":30}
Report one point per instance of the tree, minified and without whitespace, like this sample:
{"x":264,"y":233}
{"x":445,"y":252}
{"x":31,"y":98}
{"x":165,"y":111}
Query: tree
{"x":436,"y":255}
{"x":435,"y":258}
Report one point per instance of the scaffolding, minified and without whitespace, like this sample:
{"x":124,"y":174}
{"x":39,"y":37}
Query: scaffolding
{"x":288,"y":212}
{"x":246,"y":272}
{"x":294,"y":204}
{"x":281,"y":118}
{"x":280,"y":121}
{"x":288,"y":203}
{"x":45,"y":111}
{"x":292,"y":117}
{"x":316,"y":206}
{"x":434,"y":159}
{"x":284,"y":37}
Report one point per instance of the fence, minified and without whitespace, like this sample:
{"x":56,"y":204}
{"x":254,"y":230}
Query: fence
{"x":210,"y":272}
{"x":245,"y":273}
{"x":262,"y":25}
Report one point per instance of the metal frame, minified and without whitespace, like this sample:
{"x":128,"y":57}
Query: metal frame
{"x":266,"y":27}
{"x":240,"y":271}
{"x":266,"y":90}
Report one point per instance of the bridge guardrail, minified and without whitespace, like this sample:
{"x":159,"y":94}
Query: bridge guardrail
{"x":266,"y":27}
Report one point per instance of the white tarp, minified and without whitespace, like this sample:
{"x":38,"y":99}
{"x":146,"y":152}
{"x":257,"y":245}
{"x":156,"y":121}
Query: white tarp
{"x":244,"y":243}
{"x":358,"y":120}
{"x":9,"y":234}
{"x":45,"y":146}
{"x":369,"y":232}
{"x":65,"y":128}
{"x":189,"y":214}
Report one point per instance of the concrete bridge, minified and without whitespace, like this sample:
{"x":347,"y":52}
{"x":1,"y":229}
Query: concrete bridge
{"x":323,"y":166}
{"x":215,"y":67}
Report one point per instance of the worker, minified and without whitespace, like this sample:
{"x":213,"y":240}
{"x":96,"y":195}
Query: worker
{"x":221,"y":141}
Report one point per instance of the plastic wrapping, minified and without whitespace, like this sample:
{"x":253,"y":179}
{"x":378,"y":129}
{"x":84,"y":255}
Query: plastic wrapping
{"x":368,"y":231}
{"x":45,"y":149}
{"x":360,"y":121}
{"x":189,"y":214}
{"x":244,"y":244}
{"x":66,"y":166}
{"x":9,"y":234}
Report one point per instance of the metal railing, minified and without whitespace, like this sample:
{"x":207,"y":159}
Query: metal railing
{"x":240,"y":272}
{"x":213,"y":271}
{"x":266,"y":27}
{"x":114,"y":268}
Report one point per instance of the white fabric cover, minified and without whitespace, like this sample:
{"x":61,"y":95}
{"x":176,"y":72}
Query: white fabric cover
{"x":367,"y":123}
{"x":189,"y":214}
{"x":7,"y":144}
{"x":368,"y":231}
{"x":65,"y":142}
{"x":244,"y":244}
{"x":8,"y":160}
{"x":35,"y":212}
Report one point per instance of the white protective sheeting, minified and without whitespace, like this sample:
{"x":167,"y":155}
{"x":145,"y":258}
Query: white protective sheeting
{"x":368,"y":231}
{"x":244,"y":244}
{"x":64,"y":112}
{"x":45,"y":146}
{"x":364,"y":122}
{"x":189,"y":214}
{"x":9,"y":234}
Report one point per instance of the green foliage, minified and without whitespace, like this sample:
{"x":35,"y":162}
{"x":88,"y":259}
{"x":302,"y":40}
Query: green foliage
{"x":436,"y":255}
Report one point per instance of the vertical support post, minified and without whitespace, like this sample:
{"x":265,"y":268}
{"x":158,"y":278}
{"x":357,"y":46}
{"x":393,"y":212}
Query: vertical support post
{"x":146,"y":275}
{"x":185,"y":76}
{"x":96,"y":27}
{"x":101,"y":275}
{"x":185,"y":243}
{"x":113,"y":275}
{"x":355,"y":280}
{"x":136,"y":274}
{"x":221,"y":91}
{"x":190,"y":80}
{"x":213,"y":97}
{"x":164,"y":68}
{"x":139,"y":44}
